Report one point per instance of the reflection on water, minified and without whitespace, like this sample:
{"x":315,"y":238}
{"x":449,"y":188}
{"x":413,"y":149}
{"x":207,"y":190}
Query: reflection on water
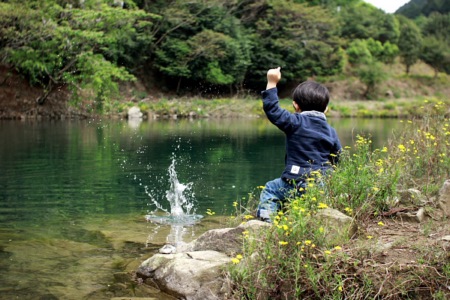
{"x":74,"y":195}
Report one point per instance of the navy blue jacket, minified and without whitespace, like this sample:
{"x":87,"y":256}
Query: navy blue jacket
{"x":311,"y":143}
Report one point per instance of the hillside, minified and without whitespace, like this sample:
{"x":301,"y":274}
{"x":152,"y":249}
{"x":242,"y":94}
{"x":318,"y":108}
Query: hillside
{"x":416,"y":8}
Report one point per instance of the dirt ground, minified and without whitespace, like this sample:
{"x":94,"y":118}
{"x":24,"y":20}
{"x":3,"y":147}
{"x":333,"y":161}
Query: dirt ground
{"x":19,"y":100}
{"x":406,"y":259}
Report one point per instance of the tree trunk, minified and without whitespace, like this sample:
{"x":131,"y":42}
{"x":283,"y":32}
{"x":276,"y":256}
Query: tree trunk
{"x":178,"y":85}
{"x":48,"y":89}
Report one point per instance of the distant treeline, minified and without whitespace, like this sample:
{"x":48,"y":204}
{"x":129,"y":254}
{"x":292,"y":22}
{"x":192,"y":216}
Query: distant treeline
{"x":225,"y":44}
{"x":417,"y":8}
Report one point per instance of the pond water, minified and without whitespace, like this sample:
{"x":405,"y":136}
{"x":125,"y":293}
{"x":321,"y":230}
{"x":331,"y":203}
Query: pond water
{"x":74,"y":195}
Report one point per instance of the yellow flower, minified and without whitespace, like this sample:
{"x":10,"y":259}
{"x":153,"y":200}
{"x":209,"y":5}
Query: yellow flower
{"x":370,"y":237}
{"x":210,"y":212}
{"x":380,"y":223}
{"x":375,"y":189}
{"x":239,"y":256}
{"x":338,"y":248}
{"x":247,"y":217}
{"x":402,"y":148}
{"x":283,"y":243}
{"x":322,"y":205}
{"x":385,"y":149}
{"x":327,"y":252}
{"x":261,"y":187}
{"x":321,"y":229}
{"x":307,"y":242}
{"x":235,"y":261}
{"x":285,"y":227}
{"x":340,"y":288}
{"x":235,"y":204}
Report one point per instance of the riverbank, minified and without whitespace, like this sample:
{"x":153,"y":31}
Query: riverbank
{"x":399,"y":97}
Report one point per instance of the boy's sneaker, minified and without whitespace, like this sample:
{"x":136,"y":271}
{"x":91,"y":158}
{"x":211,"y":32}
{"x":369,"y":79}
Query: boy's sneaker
{"x":263,"y":215}
{"x":267,"y":220}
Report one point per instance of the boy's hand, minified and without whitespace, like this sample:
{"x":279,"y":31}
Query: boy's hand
{"x":273,"y":77}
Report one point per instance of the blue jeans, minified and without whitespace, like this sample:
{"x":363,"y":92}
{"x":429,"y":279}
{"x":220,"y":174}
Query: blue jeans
{"x":274,"y":195}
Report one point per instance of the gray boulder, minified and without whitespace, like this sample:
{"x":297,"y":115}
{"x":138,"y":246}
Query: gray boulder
{"x":412,"y":197}
{"x":338,"y":226}
{"x":191,"y":275}
{"x":134,"y":113}
{"x":225,"y":240}
{"x":444,"y":198}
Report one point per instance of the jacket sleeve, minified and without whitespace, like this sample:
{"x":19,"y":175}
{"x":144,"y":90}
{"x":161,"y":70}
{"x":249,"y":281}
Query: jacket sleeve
{"x":277,"y":115}
{"x":337,"y":149}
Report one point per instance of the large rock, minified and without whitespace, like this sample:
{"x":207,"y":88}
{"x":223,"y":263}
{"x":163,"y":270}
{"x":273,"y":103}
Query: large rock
{"x":444,"y":198}
{"x":134,"y":113}
{"x":195,"y":271}
{"x":225,"y":240}
{"x":192,"y":275}
{"x":412,"y":197}
{"x":339,"y":227}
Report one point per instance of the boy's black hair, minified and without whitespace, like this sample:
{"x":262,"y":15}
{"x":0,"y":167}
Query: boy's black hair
{"x":310,"y":95}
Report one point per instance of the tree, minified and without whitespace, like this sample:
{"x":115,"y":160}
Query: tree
{"x":364,"y":51}
{"x":436,"y":54}
{"x":299,"y":38}
{"x":409,"y":43}
{"x":436,"y":29}
{"x":437,"y":25}
{"x":366,"y":57}
{"x":81,"y":47}
{"x":371,"y":74}
{"x":364,"y":21}
{"x":201,"y":41}
{"x":358,"y":52}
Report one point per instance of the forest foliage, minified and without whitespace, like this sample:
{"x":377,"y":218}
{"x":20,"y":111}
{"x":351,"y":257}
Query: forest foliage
{"x":225,"y":44}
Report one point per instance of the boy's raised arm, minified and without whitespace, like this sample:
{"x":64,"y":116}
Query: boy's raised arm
{"x":273,"y":77}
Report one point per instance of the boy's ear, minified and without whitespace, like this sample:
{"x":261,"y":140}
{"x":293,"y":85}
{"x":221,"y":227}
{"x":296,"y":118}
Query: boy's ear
{"x":296,"y":106}
{"x":326,"y":110}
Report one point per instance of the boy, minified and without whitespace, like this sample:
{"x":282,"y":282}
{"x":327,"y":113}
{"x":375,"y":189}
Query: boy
{"x":311,"y":143}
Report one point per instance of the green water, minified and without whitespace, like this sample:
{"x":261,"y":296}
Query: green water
{"x":74,"y":194}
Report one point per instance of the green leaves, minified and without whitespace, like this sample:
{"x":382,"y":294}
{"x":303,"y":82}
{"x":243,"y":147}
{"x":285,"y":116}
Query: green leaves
{"x":409,"y":43}
{"x":201,"y":41}
{"x":76,"y":46}
{"x":299,"y":38}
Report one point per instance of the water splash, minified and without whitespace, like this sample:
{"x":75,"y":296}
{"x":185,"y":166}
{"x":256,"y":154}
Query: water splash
{"x":181,"y":202}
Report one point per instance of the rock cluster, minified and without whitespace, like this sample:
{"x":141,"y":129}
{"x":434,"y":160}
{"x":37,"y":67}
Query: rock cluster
{"x":196,"y":270}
